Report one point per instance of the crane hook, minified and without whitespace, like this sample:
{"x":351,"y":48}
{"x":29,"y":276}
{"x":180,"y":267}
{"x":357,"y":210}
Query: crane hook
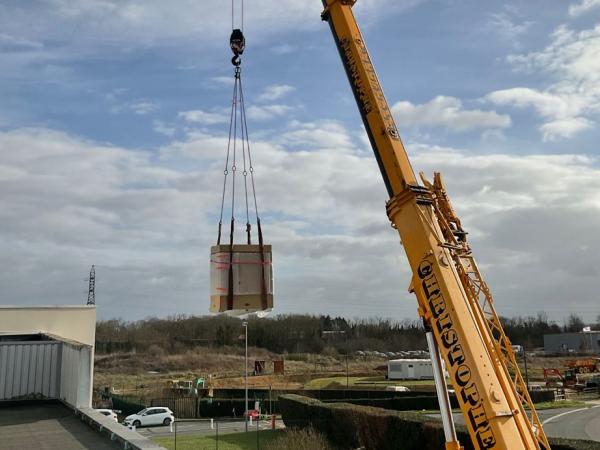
{"x":237,"y":42}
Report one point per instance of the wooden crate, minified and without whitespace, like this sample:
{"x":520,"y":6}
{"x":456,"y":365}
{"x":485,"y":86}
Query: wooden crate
{"x":247,"y":264}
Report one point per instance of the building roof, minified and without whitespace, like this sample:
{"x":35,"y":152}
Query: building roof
{"x":37,"y":336}
{"x":25,"y":426}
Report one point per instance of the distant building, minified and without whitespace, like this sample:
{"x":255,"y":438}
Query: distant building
{"x":582,"y":342}
{"x":410,"y":369}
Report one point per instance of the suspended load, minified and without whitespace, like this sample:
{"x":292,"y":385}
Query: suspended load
{"x":241,"y":275}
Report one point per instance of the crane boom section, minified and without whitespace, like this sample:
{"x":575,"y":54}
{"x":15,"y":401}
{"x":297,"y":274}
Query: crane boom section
{"x":487,"y":396}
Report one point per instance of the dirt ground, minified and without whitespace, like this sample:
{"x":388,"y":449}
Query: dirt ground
{"x":148,"y":374}
{"x":145,"y":374}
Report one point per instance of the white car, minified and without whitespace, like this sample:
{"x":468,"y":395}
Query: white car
{"x":150,"y":416}
{"x":108,"y":413}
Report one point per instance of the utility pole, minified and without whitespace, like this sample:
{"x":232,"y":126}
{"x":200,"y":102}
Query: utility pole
{"x":245,"y":325}
{"x":347,"y":384}
{"x":91,"y":300}
{"x":525,"y":361}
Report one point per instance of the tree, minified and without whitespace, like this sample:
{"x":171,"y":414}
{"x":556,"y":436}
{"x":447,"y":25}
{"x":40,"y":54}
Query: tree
{"x":574,"y":324}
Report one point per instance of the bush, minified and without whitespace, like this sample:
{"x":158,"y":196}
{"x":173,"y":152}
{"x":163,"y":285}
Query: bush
{"x":399,"y":403}
{"x":295,"y":439}
{"x":542,"y":396}
{"x":156,"y":351}
{"x":352,"y":426}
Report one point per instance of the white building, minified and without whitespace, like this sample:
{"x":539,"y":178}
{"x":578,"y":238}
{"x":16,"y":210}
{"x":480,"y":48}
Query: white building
{"x":410,"y":369}
{"x":47,"y":353}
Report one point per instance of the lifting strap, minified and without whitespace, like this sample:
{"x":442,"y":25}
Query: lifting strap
{"x":237,"y":43}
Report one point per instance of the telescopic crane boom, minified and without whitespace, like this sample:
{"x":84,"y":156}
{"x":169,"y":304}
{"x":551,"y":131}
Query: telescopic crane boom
{"x":453,"y":299}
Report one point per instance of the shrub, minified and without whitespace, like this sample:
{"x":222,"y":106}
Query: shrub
{"x":351,"y":426}
{"x":156,"y":351}
{"x":296,"y":439}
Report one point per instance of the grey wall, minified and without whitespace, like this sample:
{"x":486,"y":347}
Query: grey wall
{"x":30,"y":370}
{"x":578,"y":342}
{"x":46,"y":370}
{"x":76,"y":380}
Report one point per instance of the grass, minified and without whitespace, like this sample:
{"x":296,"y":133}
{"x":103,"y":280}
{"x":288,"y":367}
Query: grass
{"x":377,"y":382}
{"x":233,"y":441}
{"x":559,"y":404}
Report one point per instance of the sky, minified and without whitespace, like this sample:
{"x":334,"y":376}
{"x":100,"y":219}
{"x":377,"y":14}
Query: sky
{"x":113,"y":135}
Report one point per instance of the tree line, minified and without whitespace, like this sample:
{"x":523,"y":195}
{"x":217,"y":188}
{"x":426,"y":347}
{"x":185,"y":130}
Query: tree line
{"x":295,"y":333}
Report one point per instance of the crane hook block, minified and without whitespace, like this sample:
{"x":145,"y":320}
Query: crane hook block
{"x":237,"y":42}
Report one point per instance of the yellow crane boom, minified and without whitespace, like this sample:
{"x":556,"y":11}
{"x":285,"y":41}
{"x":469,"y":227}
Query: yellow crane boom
{"x":453,"y":299}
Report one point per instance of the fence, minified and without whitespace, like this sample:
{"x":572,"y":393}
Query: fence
{"x":127,"y":404}
{"x":197,"y":408}
{"x":255,"y":434}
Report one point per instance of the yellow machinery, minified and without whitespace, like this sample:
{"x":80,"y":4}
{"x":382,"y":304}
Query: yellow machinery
{"x":453,"y":299}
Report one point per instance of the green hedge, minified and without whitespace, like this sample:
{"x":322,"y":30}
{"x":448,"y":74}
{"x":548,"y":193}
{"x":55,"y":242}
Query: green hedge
{"x":321,"y":394}
{"x":352,"y":426}
{"x":400,"y":403}
{"x":128,"y":405}
{"x":224,"y":407}
{"x":542,"y":396}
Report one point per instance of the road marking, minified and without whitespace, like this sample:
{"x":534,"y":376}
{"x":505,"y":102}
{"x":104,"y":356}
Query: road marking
{"x":550,"y":419}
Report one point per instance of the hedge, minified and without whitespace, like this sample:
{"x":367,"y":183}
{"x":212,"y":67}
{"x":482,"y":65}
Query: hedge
{"x":352,"y":426}
{"x":128,"y":405}
{"x":346,"y":394}
{"x":399,"y":403}
{"x":224,"y":407}
{"x":321,"y":394}
{"x":542,"y":396}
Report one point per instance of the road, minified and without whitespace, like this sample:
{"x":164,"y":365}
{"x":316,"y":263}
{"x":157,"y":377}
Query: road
{"x":574,"y":423}
{"x":203,"y":427}
{"x":578,"y":423}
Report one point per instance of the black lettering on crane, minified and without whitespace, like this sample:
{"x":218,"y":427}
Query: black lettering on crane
{"x":452,"y":349}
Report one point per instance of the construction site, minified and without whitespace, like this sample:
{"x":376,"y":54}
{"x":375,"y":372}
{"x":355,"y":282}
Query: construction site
{"x":277,"y":275}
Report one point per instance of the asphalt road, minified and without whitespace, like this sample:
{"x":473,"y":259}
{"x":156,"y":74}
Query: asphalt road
{"x":574,"y":423}
{"x":578,"y":423}
{"x":203,"y":427}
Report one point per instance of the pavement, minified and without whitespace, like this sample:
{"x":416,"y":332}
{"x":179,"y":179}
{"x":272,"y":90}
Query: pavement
{"x":50,"y":426}
{"x":573,"y":423}
{"x":203,"y":427}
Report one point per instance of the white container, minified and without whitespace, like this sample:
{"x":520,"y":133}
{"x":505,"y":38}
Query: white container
{"x":410,"y":369}
{"x":252,"y":272}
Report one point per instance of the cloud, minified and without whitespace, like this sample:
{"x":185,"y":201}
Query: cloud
{"x":147,"y":223}
{"x":201,"y":117}
{"x":143,"y":107}
{"x":583,"y":7}
{"x":162,"y":128}
{"x":507,"y":24}
{"x":570,"y":102}
{"x":14,"y":43}
{"x":275,"y":92}
{"x":267,"y":112}
{"x":142,"y":23}
{"x":447,"y":112}
{"x":222,"y":80}
{"x":283,"y":49}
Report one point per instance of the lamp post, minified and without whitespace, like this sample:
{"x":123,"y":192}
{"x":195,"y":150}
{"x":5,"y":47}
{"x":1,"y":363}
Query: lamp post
{"x":526,"y":373}
{"x":245,"y":325}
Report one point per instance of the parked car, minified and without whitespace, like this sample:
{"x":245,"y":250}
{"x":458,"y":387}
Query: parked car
{"x":108,"y":413}
{"x":150,"y":416}
{"x":397,"y":388}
